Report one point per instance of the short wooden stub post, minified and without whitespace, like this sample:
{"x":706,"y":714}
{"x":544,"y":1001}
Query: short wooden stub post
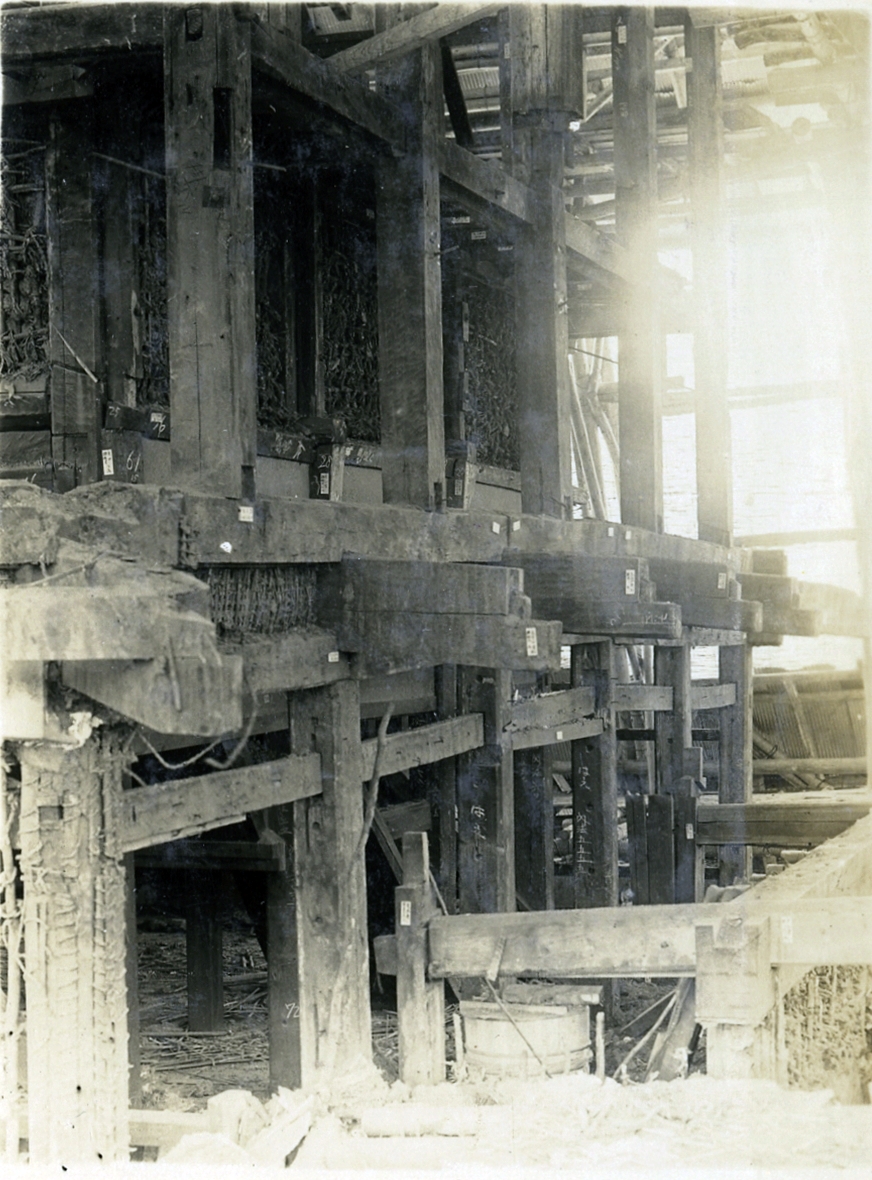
{"x":74,"y":910}
{"x":420,"y":1002}
{"x":203,"y":944}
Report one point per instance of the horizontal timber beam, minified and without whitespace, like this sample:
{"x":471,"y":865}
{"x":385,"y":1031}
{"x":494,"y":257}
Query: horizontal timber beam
{"x":79,"y":30}
{"x":168,"y":811}
{"x":786,"y":820}
{"x":809,"y":766}
{"x":410,"y":34}
{"x":291,"y":660}
{"x":249,"y":856}
{"x":426,"y":744}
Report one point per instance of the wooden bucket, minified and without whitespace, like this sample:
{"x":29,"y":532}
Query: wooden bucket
{"x":495,"y":1046}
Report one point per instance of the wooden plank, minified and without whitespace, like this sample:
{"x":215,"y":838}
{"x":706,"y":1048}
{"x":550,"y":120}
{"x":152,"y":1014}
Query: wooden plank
{"x":612,"y":942}
{"x":723,"y":614}
{"x":642,"y":698}
{"x":712,"y":696}
{"x":100,"y":28}
{"x":185,"y":807}
{"x":680,"y":580}
{"x":18,"y":448}
{"x":291,"y":660}
{"x":706,"y":167}
{"x":210,"y":235}
{"x":410,"y":296}
{"x":789,"y":621}
{"x":282,"y":58}
{"x":661,"y":850}
{"x":420,"y":999}
{"x":443,"y":793}
{"x":424,"y":745}
{"x":484,"y":179}
{"x":635,"y":620}
{"x":689,"y":856}
{"x":540,"y":534}
{"x":735,"y":783}
{"x":485,"y":797}
{"x":673,"y":731}
{"x":637,"y":833}
{"x":770,"y":588}
{"x":534,"y":827}
{"x":203,"y":950}
{"x":236,"y":855}
{"x":825,"y":766}
{"x":561,"y":577}
{"x":318,"y":531}
{"x":639,"y":392}
{"x":282,"y":954}
{"x":410,"y":34}
{"x":786,"y":822}
{"x":552,"y":709}
{"x":388,"y":642}
{"x":418,"y":587}
{"x":75,"y":952}
{"x":595,"y":784}
{"x":572,"y":731}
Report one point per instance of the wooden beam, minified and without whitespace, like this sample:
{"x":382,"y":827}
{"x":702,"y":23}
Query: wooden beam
{"x":418,"y":587}
{"x":29,"y":35}
{"x":787,"y":821}
{"x":673,"y":730}
{"x":247,"y":856}
{"x":185,"y":807}
{"x":281,"y":57}
{"x":484,"y":179}
{"x":420,"y":999}
{"x":839,"y":611}
{"x":424,"y":745}
{"x":282,"y":954}
{"x":642,"y":698}
{"x":442,"y":793}
{"x":410,"y":295}
{"x":561,"y":577}
{"x":825,"y":766}
{"x":551,"y":710}
{"x":534,"y":826}
{"x":712,"y":696}
{"x":203,"y":947}
{"x":291,"y":660}
{"x":210,"y":244}
{"x":680,"y":580}
{"x":735,"y":783}
{"x":635,"y":222}
{"x":410,"y":34}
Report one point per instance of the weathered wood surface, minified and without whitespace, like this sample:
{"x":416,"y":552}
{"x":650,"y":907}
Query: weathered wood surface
{"x":831,"y":766}
{"x":571,"y":731}
{"x":290,"y":661}
{"x":203,"y":953}
{"x":426,"y":744}
{"x":28,"y":35}
{"x":839,"y":611}
{"x":643,"y":698}
{"x":792,"y":820}
{"x":735,"y":782}
{"x":563,"y":578}
{"x":410,"y":34}
{"x":168,"y":811}
{"x":636,"y":620}
{"x":484,"y":179}
{"x":318,"y":531}
{"x":248,"y":856}
{"x":418,"y":587}
{"x":680,"y":580}
{"x":420,"y":999}
{"x":712,"y":696}
{"x":552,"y":709}
{"x":534,"y":827}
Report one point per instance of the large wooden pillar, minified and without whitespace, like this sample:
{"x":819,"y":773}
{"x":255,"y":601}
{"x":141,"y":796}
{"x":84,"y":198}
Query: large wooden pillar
{"x":534,"y":827}
{"x":673,"y":730}
{"x":595,"y":785}
{"x":545,"y":91}
{"x":710,"y":277}
{"x":74,"y":919}
{"x":410,"y":291}
{"x":485,"y":798}
{"x":333,"y":1018}
{"x":735,"y":781}
{"x":74,"y":305}
{"x":210,"y":249}
{"x":640,"y":343}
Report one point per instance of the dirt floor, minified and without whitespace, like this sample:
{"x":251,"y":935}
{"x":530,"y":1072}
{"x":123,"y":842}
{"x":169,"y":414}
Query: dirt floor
{"x":569,"y":1123}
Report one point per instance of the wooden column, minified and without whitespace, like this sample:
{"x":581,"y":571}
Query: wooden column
{"x":445,"y":773}
{"x":420,"y":1002}
{"x":534,"y":828}
{"x":203,"y":945}
{"x":74,"y":918}
{"x":282,"y":957}
{"x":333,"y":961}
{"x":74,"y":305}
{"x":485,"y":798}
{"x":210,"y":249}
{"x":595,"y":785}
{"x":134,"y":1051}
{"x":545,"y":93}
{"x":735,"y":781}
{"x":710,"y":279}
{"x":410,"y":291}
{"x":673,"y":731}
{"x":639,"y":369}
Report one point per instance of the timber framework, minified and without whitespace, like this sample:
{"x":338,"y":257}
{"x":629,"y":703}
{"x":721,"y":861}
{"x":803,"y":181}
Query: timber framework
{"x":306,"y":433}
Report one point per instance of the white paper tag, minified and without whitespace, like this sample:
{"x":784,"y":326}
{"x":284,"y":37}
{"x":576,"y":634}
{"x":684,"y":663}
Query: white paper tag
{"x":611,"y":530}
{"x":532,"y":641}
{"x":332,"y":657}
{"x":405,"y":913}
{"x":628,"y":535}
{"x":622,"y":34}
{"x":108,"y":462}
{"x":688,"y":831}
{"x":324,"y":483}
{"x":560,"y":735}
{"x":496,"y":527}
{"x":246,"y":513}
{"x":226,"y":546}
{"x":516,"y":526}
{"x":629,"y":581}
{"x":722,"y":580}
{"x":458,"y":488}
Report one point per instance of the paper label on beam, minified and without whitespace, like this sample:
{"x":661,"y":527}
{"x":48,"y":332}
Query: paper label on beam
{"x":108,"y":462}
{"x":787,"y":929}
{"x":532,"y":641}
{"x":246,"y":513}
{"x":629,"y":581}
{"x":495,"y":527}
{"x":722,"y":580}
{"x":688,"y":831}
{"x":405,"y":913}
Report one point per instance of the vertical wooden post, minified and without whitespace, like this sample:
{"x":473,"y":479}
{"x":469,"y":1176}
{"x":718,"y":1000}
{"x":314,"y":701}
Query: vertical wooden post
{"x":545,"y":92}
{"x":420,"y":1002}
{"x":210,"y":248}
{"x":134,"y":1052}
{"x":639,"y":369}
{"x":637,"y":838}
{"x":333,"y":960}
{"x":410,"y":293}
{"x":120,"y":287}
{"x":283,"y":982}
{"x":534,"y":828}
{"x":705,"y":160}
{"x":673,"y":731}
{"x":595,"y":784}
{"x":485,"y":798}
{"x":74,"y":911}
{"x":735,"y":781}
{"x":446,"y":792}
{"x":661,"y":850}
{"x":74,"y":306}
{"x":203,"y":944}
